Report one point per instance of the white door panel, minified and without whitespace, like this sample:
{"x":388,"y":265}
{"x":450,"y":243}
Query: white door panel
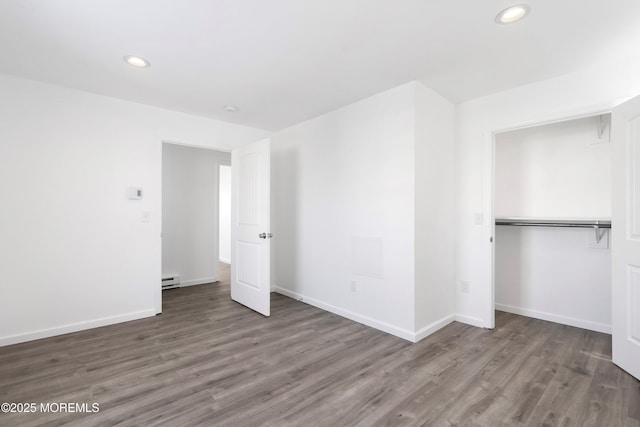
{"x":625,"y":234}
{"x":250,"y":226}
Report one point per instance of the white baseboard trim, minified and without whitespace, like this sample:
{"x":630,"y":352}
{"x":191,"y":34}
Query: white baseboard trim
{"x":433,"y":327}
{"x":564,"y":320}
{"x":198,"y":281}
{"x":75,"y":327}
{"x":226,"y":261}
{"x":469,"y":320}
{"x":365,"y":320}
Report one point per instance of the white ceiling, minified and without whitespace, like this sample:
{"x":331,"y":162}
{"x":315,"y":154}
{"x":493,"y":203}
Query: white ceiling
{"x":285,"y":61}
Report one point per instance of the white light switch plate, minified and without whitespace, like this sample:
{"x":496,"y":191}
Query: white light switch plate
{"x":146,"y":216}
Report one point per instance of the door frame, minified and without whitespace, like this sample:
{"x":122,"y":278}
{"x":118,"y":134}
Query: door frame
{"x":218,"y":163}
{"x":488,"y":196}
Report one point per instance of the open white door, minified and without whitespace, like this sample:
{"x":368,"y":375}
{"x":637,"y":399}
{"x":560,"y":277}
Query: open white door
{"x":625,"y":234}
{"x":250,"y":226}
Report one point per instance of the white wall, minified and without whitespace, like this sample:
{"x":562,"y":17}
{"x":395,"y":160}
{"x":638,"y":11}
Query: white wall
{"x":560,"y":170}
{"x":552,"y":274}
{"x":190,"y":215}
{"x":591,"y":90}
{"x":435,"y":210}
{"x":363,"y":196}
{"x":225,"y":214}
{"x":74,"y":251}
{"x":557,"y":170}
{"x":343,"y":210}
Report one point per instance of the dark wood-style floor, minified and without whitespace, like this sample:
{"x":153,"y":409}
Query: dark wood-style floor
{"x":209,"y":361}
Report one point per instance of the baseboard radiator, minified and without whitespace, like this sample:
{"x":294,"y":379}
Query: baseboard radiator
{"x":170,"y":282}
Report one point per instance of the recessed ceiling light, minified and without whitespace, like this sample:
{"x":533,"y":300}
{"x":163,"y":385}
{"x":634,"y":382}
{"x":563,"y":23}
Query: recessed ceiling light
{"x":230,"y":108}
{"x":136,"y":61}
{"x":513,"y":14}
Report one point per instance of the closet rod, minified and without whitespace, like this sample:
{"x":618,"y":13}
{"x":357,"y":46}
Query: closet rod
{"x":598,"y":226}
{"x":554,"y":223}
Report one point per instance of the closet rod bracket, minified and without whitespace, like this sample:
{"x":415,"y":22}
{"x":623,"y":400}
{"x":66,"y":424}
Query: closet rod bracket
{"x":604,"y":123}
{"x":599,"y":233}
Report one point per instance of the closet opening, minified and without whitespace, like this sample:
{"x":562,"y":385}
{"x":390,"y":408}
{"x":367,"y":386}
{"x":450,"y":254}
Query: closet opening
{"x":551,"y":209}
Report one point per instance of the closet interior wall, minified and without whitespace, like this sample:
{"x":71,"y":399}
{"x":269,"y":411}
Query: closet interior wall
{"x":556,"y":171}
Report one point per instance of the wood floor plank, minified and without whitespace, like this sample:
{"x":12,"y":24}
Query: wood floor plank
{"x":210,"y":361}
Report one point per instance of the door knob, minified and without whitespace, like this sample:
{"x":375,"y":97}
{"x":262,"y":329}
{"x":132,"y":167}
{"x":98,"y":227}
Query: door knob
{"x":265,"y":235}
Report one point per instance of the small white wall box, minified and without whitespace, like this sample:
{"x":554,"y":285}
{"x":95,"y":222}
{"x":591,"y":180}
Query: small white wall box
{"x":134,"y":193}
